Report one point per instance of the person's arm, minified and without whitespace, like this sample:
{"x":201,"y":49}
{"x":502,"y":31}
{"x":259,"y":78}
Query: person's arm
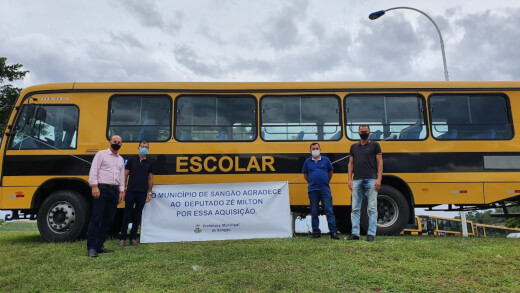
{"x":150,"y":186}
{"x":379,"y":158}
{"x":93,"y":175}
{"x":330,"y":175}
{"x":304,"y":171}
{"x":122,"y":182}
{"x":127,"y":172}
{"x":350,"y":169}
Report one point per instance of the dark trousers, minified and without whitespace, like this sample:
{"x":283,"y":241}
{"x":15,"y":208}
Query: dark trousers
{"x":326,"y":203}
{"x":132,"y":214}
{"x":103,"y":212}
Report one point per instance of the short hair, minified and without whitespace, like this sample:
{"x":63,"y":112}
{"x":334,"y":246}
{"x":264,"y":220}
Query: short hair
{"x":143,"y":141}
{"x":314,"y":143}
{"x":364,"y":125}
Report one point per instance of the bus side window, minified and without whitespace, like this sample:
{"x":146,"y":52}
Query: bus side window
{"x":300,"y":118}
{"x":470,"y":117}
{"x":140,"y":117}
{"x":215,"y":118}
{"x":390,"y":117}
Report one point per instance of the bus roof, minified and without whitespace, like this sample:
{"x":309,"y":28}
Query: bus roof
{"x":259,"y":86}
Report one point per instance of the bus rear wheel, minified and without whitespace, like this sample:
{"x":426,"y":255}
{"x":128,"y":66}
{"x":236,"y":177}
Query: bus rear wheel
{"x":392,"y":212}
{"x":63,"y":216}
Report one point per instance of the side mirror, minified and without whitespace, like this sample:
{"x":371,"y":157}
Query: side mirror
{"x":41,"y":114}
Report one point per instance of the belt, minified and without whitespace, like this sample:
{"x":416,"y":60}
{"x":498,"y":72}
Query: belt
{"x":109,"y":186}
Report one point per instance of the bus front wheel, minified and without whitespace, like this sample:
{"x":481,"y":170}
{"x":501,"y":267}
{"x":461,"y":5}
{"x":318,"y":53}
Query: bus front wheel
{"x":392,"y":212}
{"x":63,"y":216}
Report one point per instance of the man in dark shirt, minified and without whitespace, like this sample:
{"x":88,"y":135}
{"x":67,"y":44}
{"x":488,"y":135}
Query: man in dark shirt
{"x":139,"y":176}
{"x":366,"y":162}
{"x":317,"y":171}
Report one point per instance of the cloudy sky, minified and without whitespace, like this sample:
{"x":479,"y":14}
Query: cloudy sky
{"x":267,"y":40}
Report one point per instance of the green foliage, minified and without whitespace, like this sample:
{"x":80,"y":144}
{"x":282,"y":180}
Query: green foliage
{"x":485,"y":217}
{"x":8,"y":93}
{"x":513,"y":223}
{"x":300,"y":264}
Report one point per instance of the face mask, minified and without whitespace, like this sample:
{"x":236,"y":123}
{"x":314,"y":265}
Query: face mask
{"x":115,"y":146}
{"x":363,"y":135}
{"x":315,"y":153}
{"x":143,"y":151}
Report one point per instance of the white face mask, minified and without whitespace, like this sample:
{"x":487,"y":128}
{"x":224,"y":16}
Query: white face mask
{"x":315,"y":153}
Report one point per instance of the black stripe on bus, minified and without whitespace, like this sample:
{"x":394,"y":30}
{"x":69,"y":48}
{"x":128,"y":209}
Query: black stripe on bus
{"x":53,"y":165}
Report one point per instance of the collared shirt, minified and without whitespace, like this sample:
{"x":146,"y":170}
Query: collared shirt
{"x":365,"y":159}
{"x":318,"y":173}
{"x":107,"y":168}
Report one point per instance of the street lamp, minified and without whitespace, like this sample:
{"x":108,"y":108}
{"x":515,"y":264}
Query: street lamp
{"x":378,"y":14}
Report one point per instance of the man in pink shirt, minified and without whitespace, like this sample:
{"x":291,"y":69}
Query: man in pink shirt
{"x":107,"y":180}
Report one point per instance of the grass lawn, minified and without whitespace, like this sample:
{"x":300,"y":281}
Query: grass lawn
{"x":400,"y":263}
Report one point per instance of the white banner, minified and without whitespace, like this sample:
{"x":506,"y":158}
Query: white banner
{"x":202,"y":212}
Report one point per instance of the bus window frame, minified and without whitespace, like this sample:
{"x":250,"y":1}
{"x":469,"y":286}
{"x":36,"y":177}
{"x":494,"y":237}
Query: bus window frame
{"x":245,"y":96}
{"x":333,"y":95}
{"x":425,"y":112}
{"x":500,"y":94}
{"x":19,"y":116}
{"x":140,"y":95}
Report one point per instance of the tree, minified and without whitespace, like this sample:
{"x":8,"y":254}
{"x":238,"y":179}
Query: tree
{"x":513,"y":223}
{"x":8,"y":93}
{"x":484,"y":217}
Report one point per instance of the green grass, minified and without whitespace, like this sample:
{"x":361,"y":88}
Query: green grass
{"x":301,"y":264}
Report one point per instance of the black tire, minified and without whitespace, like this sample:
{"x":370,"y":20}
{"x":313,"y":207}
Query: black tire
{"x":343,"y":223}
{"x":392,"y":212}
{"x":64,"y":216}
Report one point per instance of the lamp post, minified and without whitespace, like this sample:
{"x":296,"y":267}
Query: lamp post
{"x":378,"y":14}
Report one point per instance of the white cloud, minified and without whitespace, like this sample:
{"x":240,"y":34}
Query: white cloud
{"x":258,"y":41}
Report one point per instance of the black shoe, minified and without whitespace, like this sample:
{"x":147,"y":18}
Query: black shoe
{"x":92,"y":253}
{"x":370,"y":238}
{"x":316,"y":236}
{"x":352,"y":237}
{"x":334,"y":236}
{"x":104,"y":250}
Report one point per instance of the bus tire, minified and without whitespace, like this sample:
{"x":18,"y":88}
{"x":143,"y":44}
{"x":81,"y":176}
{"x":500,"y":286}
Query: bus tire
{"x":64,"y":216}
{"x":392,"y":212}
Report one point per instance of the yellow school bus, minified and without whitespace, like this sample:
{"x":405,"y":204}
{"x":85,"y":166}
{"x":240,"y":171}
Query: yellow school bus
{"x":483,"y":230}
{"x":441,"y":226}
{"x":418,"y":227}
{"x":443,"y":142}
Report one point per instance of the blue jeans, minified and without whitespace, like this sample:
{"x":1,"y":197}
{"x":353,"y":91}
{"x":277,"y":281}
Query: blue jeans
{"x":361,"y":188}
{"x":326,"y":202}
{"x":132,"y":214}
{"x":103,"y":212}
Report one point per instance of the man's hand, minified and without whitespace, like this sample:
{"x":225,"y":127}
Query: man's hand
{"x":350,"y":185}
{"x":121,"y":196}
{"x":148,"y":198}
{"x":95,"y":192}
{"x":377,"y":186}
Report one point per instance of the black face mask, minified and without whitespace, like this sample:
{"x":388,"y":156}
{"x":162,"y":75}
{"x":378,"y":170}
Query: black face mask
{"x":115,"y":146}
{"x":364,"y":135}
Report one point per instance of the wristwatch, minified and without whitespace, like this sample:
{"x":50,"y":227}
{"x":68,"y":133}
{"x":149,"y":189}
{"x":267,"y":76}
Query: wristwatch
{"x":149,"y":192}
